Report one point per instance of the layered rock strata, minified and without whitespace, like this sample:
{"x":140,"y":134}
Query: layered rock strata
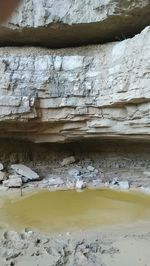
{"x":64,"y":95}
{"x":64,"y":23}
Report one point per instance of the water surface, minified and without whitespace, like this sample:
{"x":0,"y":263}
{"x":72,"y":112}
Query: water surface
{"x":66,"y":210}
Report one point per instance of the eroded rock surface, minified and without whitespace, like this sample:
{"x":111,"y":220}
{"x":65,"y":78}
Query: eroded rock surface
{"x":59,"y":96}
{"x":64,"y":23}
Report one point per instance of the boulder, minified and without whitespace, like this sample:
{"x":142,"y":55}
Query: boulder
{"x":26,"y":173}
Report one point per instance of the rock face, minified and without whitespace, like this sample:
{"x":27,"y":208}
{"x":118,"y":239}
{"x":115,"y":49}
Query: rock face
{"x":64,"y":95}
{"x":71,"y":94}
{"x":64,"y":23}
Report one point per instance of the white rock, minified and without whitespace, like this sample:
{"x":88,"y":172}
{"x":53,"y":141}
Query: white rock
{"x":15,"y":176}
{"x":1,"y":166}
{"x":68,"y":160}
{"x":115,"y":181}
{"x":145,"y":190}
{"x":80,"y":184}
{"x":123,"y":185}
{"x":13,"y":183}
{"x":74,"y":173}
{"x":25,"y":171}
{"x":90,"y":168}
{"x":2,"y":176}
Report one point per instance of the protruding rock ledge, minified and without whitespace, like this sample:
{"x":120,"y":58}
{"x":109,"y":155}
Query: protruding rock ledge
{"x":59,"y":96}
{"x":64,"y":23}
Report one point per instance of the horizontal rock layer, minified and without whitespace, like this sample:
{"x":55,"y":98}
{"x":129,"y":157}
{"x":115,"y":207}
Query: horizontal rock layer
{"x":64,"y":23}
{"x":59,"y":96}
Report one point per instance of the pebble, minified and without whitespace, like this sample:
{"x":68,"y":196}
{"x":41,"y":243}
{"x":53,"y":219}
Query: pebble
{"x":90,"y":168}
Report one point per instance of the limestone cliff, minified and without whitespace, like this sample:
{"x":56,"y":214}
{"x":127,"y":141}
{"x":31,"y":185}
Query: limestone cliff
{"x":100,"y":91}
{"x":61,"y":23}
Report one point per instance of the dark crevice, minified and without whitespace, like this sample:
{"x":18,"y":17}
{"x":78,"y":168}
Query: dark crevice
{"x":58,"y":35}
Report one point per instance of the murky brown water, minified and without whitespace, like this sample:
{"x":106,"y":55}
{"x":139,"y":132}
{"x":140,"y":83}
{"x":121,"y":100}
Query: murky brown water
{"x":66,"y":210}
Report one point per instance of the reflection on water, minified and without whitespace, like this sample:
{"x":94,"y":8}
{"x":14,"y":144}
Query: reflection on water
{"x":64,"y":210}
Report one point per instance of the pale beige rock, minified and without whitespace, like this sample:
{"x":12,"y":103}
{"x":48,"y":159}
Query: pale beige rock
{"x":90,"y":92}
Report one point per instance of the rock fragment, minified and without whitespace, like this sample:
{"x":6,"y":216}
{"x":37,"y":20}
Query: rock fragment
{"x":13,"y":183}
{"x":90,"y":168}
{"x":1,"y":167}
{"x":26,"y":173}
{"x":2,"y":176}
{"x":123,"y":185}
{"x":68,"y":160}
{"x":80,"y":184}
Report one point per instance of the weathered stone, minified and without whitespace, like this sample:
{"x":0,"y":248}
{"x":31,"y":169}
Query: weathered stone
{"x":66,"y":95}
{"x":2,"y":176}
{"x":145,"y":190}
{"x":68,"y":23}
{"x":123,"y":185}
{"x":25,"y":171}
{"x":68,"y":160}
{"x":1,"y":166}
{"x":80,"y":184}
{"x":90,"y":168}
{"x":13,"y":183}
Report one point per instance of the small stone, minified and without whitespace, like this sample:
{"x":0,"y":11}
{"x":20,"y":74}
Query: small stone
{"x":13,"y":183}
{"x":2,"y":176}
{"x":123,"y":185}
{"x":68,"y":160}
{"x":25,"y":172}
{"x":1,"y":167}
{"x":90,"y":168}
{"x":80,"y":184}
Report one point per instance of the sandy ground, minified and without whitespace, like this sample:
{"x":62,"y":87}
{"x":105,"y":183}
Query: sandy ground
{"x":110,"y":246}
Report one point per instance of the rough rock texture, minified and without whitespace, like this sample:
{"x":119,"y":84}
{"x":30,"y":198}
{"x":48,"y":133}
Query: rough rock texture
{"x":68,"y":23}
{"x":59,"y":96}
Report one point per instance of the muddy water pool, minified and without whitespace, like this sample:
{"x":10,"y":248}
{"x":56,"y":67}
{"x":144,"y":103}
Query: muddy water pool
{"x":68,"y":210}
